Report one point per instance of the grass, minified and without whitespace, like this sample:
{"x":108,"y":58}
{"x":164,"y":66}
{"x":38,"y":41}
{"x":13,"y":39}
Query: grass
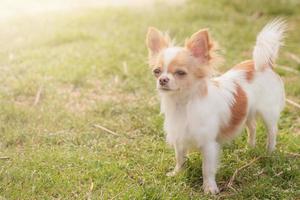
{"x":77,"y":57}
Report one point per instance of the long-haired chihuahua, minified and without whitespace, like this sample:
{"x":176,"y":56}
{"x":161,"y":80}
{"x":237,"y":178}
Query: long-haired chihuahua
{"x":202,"y":111}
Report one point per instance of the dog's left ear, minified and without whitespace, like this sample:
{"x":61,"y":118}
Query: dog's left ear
{"x":199,"y":45}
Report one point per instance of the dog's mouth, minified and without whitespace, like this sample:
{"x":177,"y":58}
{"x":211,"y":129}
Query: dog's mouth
{"x":165,"y":89}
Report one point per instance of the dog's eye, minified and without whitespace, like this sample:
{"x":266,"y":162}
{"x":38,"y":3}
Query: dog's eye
{"x":156,"y":72}
{"x":180,"y":73}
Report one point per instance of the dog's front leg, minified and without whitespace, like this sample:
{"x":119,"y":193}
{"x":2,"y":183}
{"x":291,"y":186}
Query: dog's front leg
{"x":180,"y":153}
{"x":209,"y":167}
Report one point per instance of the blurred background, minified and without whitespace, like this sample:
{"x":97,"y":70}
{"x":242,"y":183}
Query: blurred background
{"x":79,"y":114}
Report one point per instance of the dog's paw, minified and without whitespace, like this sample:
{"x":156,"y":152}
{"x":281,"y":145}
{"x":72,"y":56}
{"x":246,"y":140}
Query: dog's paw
{"x":211,"y":188}
{"x":172,"y":173}
{"x":251,"y":144}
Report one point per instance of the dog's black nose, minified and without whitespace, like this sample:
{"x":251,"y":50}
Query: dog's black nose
{"x":163,"y":81}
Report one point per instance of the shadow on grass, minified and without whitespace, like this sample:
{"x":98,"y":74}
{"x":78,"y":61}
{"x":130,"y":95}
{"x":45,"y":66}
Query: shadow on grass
{"x":193,"y":173}
{"x":277,"y":168}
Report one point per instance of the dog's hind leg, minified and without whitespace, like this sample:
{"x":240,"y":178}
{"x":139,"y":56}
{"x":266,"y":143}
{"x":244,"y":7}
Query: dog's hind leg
{"x":271,"y":119}
{"x":251,"y":125}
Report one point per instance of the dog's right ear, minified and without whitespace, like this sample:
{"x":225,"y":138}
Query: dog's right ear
{"x":156,"y":41}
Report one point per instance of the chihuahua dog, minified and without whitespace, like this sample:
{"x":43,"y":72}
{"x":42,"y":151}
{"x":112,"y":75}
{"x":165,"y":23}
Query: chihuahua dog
{"x":201,"y":111}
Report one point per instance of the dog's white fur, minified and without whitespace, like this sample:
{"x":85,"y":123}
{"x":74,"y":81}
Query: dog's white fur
{"x":193,"y":122}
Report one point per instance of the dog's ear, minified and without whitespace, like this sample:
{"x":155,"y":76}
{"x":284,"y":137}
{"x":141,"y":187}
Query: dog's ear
{"x":199,"y":45}
{"x":156,"y":41}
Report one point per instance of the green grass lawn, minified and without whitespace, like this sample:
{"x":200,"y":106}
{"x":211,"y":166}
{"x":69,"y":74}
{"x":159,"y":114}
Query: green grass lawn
{"x":90,"y":68}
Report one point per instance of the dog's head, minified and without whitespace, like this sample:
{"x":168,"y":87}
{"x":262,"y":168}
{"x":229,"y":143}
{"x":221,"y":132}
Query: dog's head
{"x":178,"y":68}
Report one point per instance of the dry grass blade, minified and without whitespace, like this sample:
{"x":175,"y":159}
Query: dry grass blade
{"x":128,"y":188}
{"x":278,"y":174}
{"x":293,"y":154}
{"x":90,"y":191}
{"x":4,"y":158}
{"x":125,"y":68}
{"x":106,"y":130}
{"x":288,"y":69}
{"x":293,"y":57}
{"x":293,"y":103}
{"x":230,"y":183}
{"x":38,"y":96}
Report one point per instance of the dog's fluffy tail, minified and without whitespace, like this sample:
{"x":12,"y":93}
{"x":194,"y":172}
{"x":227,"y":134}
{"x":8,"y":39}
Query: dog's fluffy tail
{"x":268,"y":42}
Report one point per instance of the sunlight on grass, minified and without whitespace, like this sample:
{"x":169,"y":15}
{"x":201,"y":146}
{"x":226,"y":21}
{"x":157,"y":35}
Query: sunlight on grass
{"x":13,"y":8}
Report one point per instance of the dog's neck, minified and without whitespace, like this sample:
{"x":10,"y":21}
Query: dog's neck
{"x":177,"y":101}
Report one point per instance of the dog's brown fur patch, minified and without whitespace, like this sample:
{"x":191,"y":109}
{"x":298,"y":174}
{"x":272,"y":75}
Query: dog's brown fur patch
{"x":238,"y":112}
{"x":184,"y":60}
{"x":248,"y":67}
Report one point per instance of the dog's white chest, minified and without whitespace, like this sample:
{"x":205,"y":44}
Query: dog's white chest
{"x":190,"y":126}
